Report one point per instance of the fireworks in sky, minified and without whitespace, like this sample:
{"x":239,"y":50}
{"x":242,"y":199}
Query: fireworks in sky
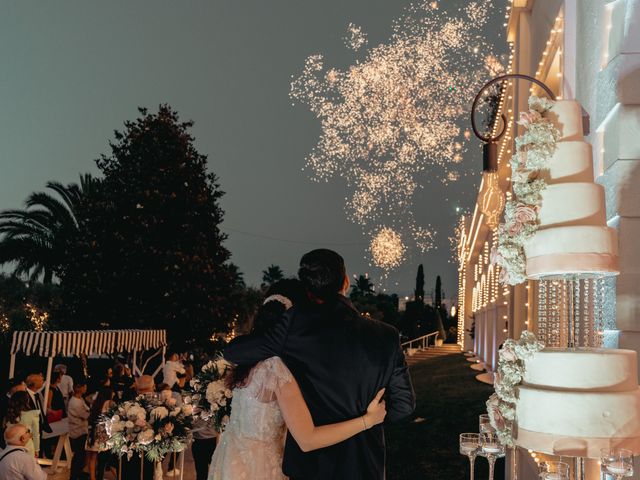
{"x":392,"y":119}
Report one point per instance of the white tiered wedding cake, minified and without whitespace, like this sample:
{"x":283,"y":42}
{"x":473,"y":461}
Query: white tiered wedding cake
{"x":574,"y":401}
{"x":573,"y":236}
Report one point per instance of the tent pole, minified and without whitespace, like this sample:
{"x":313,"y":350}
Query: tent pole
{"x":135,"y":363}
{"x":12,"y":366}
{"x":48,"y":384}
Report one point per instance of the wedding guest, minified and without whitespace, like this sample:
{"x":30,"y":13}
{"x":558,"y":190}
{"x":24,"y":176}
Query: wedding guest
{"x":172,"y":367}
{"x":203,"y":446}
{"x":145,"y":385}
{"x":96,"y":451}
{"x":20,"y":411}
{"x":14,"y":386}
{"x":132,"y":467}
{"x":55,"y":402}
{"x":122,"y":382}
{"x":35,"y":382}
{"x":66,"y":383}
{"x":78,"y":412}
{"x":16,"y":462}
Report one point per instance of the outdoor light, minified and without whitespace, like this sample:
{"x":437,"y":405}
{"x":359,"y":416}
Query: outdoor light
{"x":492,"y":198}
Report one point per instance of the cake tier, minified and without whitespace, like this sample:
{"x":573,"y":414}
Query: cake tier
{"x":603,"y":370}
{"x":577,"y":423}
{"x":566,"y":115}
{"x":574,"y":249}
{"x":571,"y":162}
{"x":566,"y":204}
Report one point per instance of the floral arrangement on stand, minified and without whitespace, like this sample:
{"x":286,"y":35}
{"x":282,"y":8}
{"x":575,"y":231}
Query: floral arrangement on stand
{"x":521,"y":218}
{"x":501,"y":406}
{"x":210,"y":393}
{"x":149,"y":425}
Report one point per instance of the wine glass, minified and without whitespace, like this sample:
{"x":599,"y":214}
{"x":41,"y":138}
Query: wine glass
{"x":469,"y":444}
{"x":554,"y":471}
{"x":485,"y":423}
{"x":491,"y":449}
{"x":617,"y":462}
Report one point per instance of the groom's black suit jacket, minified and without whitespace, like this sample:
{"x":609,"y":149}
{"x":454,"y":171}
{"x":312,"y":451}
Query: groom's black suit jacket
{"x":340,"y":360}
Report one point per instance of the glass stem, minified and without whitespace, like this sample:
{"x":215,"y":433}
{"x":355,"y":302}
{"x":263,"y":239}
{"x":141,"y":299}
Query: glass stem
{"x":492,"y":462}
{"x":472,"y":464}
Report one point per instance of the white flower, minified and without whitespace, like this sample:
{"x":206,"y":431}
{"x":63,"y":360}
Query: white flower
{"x":129,"y":424}
{"x":228,"y":393}
{"x":215,"y":390}
{"x":159,"y":413}
{"x":187,"y":409}
{"x":176,"y":411}
{"x":146,"y":436}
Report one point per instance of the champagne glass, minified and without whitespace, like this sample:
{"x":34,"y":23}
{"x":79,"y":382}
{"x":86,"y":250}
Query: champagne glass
{"x":617,"y":462}
{"x":469,"y":444}
{"x":554,"y":471}
{"x":491,"y":449}
{"x":485,"y":423}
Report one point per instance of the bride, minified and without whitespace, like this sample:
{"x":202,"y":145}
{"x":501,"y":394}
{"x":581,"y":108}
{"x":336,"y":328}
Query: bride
{"x":267,"y":401}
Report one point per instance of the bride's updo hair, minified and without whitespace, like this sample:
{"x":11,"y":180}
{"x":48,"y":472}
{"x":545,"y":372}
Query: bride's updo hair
{"x":266,"y":317}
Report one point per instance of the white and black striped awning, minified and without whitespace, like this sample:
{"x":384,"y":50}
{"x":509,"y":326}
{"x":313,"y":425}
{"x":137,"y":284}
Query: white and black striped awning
{"x":89,"y":342}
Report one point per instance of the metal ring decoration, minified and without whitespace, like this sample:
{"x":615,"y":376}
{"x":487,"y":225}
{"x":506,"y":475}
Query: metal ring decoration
{"x":502,"y":78}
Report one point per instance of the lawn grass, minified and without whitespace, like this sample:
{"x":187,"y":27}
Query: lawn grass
{"x":449,"y":398}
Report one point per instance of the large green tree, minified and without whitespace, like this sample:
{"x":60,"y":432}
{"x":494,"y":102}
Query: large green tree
{"x":33,"y":239}
{"x":151,"y":252}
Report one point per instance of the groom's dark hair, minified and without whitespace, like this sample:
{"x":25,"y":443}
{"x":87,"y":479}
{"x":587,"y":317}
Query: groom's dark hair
{"x":322,"y":273}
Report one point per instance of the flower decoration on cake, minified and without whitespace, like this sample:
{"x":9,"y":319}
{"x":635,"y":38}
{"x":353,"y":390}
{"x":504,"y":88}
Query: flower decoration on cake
{"x":501,"y":406}
{"x":211,"y":394}
{"x":521,"y":215}
{"x":148,"y":425}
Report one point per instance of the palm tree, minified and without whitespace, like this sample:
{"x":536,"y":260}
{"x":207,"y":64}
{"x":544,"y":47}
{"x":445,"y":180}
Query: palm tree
{"x":271,"y":275}
{"x":362,"y":287}
{"x":34,"y":238}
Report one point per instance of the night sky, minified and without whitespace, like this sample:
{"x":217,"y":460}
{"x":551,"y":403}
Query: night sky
{"x":74,"y":71}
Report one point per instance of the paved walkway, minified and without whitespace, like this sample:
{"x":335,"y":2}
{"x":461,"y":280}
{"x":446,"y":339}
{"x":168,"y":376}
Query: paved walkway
{"x":449,"y":400}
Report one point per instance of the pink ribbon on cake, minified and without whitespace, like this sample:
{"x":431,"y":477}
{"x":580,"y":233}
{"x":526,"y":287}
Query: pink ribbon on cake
{"x":571,"y":262}
{"x":573,"y":446}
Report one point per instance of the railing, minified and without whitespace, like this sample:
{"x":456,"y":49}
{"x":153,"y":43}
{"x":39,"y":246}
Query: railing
{"x":420,"y":342}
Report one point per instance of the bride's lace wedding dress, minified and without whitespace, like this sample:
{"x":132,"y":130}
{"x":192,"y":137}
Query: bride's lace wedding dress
{"x":252,"y":445}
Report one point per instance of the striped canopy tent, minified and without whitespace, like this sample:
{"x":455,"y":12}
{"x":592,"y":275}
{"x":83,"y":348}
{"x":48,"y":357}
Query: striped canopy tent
{"x":89,"y":342}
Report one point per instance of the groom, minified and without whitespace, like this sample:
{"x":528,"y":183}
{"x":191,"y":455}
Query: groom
{"x":340,"y":360}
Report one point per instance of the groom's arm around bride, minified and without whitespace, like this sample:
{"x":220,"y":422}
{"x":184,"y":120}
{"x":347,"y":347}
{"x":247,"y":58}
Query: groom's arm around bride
{"x":340,"y":360}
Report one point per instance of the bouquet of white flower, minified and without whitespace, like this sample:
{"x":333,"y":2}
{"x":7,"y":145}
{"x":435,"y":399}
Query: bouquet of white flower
{"x":211,"y":394}
{"x":148,"y":425}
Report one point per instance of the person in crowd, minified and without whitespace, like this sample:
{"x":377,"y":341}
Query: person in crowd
{"x":172,"y":367}
{"x":107,"y":378}
{"x":144,"y":385}
{"x":55,"y":402}
{"x":16,"y":462}
{"x":15,"y":385}
{"x":181,"y":381}
{"x":122,"y":382}
{"x":78,"y":413}
{"x":66,"y":383}
{"x":97,"y":453}
{"x":35,"y":382}
{"x":203,"y":446}
{"x":189,"y":371}
{"x":21,"y":411}
{"x":131,"y":467}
